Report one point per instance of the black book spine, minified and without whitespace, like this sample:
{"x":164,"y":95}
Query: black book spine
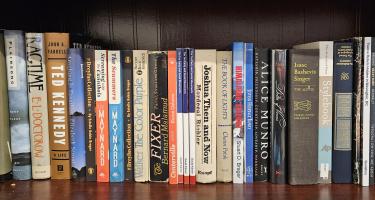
{"x":278,"y":117}
{"x":372,"y":114}
{"x":127,"y":60}
{"x":342,"y":169}
{"x":357,"y":104}
{"x":158,"y":68}
{"x":90,"y":136}
{"x":303,"y":120}
{"x":261,"y":114}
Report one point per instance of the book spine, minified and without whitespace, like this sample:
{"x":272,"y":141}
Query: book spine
{"x":191,"y":97}
{"x":325,"y":112}
{"x":38,"y":106}
{"x":90,"y":117}
{"x":357,"y":104}
{"x":172,"y":98}
{"x":366,"y":111}
{"x":57,"y":45}
{"x":205,"y":60}
{"x":116,"y":113}
{"x":5,"y":151}
{"x":261,"y":114}
{"x":158,"y":74}
{"x":372,"y":114}
{"x":102,"y":135}
{"x":224,"y":116}
{"x":141,"y":116}
{"x":127,"y":63}
{"x":198,"y":85}
{"x":180,"y":129}
{"x":303,"y":109}
{"x":238,"y":115}
{"x":18,"y":104}
{"x":77,"y":112}
{"x":342,"y":116}
{"x":249,"y":112}
{"x":185,"y":113}
{"x":278,"y":117}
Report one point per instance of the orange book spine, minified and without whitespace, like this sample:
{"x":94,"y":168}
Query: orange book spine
{"x":102,"y":133}
{"x":172,"y":90}
{"x":57,"y":45}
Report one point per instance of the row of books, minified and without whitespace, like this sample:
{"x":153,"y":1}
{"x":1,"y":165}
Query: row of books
{"x":299,"y":116}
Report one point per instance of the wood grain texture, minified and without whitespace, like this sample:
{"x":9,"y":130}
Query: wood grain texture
{"x":56,"y":190}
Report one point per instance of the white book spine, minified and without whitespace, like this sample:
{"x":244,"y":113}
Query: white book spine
{"x":366,"y":112}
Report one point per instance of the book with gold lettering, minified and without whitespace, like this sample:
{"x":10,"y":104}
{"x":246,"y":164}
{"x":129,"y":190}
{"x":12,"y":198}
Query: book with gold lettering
{"x":38,"y":105}
{"x":57,"y":45}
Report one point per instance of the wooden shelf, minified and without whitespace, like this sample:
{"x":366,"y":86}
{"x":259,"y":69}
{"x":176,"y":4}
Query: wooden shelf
{"x":55,"y":189}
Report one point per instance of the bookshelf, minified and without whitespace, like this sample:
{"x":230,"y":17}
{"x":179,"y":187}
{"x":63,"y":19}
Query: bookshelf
{"x":162,"y":25}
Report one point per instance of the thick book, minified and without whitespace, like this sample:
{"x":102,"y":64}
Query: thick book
{"x":372,"y":115}
{"x":278,"y":173}
{"x":185,"y":113}
{"x":342,"y":112}
{"x":172,"y":111}
{"x":365,"y":115}
{"x":77,"y":112}
{"x":325,"y":107}
{"x":57,"y":45}
{"x":180,"y":129}
{"x":261,"y":113}
{"x":38,"y":105}
{"x":102,"y":126}
{"x":191,"y":114}
{"x":357,"y":105}
{"x":205,"y":66}
{"x":127,"y":65}
{"x":18,"y":104}
{"x":158,"y":118}
{"x":224,"y":116}
{"x":141,"y":116}
{"x":5,"y":152}
{"x":90,"y":117}
{"x":238,"y":111}
{"x":249,"y":112}
{"x":303,"y":114}
{"x":116,"y":114}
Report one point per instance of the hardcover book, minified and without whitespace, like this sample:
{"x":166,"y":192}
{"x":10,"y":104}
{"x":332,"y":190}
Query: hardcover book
{"x":365,"y":119}
{"x":303,"y":109}
{"x":5,"y":152}
{"x":158,"y":100}
{"x":224,"y":115}
{"x":180,"y":126}
{"x":191,"y":111}
{"x":141,"y":116}
{"x":249,"y":112}
{"x":278,"y":117}
{"x":185,"y":114}
{"x":172,"y":111}
{"x":57,"y":45}
{"x":102,"y":127}
{"x":372,"y":115}
{"x":90,"y":117}
{"x":342,"y":113}
{"x":116,"y":120}
{"x":238,"y":112}
{"x":325,"y":107}
{"x":205,"y":65}
{"x":127,"y":65}
{"x":77,"y":112}
{"x":18,"y":104}
{"x":261,"y":114}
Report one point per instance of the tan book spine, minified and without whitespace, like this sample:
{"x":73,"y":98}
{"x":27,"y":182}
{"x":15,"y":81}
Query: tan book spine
{"x":57,"y":45}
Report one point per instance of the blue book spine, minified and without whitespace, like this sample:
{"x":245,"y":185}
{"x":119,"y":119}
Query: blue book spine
{"x":77,"y":112}
{"x":249,"y":112}
{"x":180,"y":133}
{"x":185,"y":115}
{"x":192,"y":116}
{"x":238,"y":114}
{"x":116,"y":121}
{"x":18,"y":104}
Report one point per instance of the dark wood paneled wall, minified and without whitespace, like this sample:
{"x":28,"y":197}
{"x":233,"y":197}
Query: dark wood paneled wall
{"x":162,"y":25}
